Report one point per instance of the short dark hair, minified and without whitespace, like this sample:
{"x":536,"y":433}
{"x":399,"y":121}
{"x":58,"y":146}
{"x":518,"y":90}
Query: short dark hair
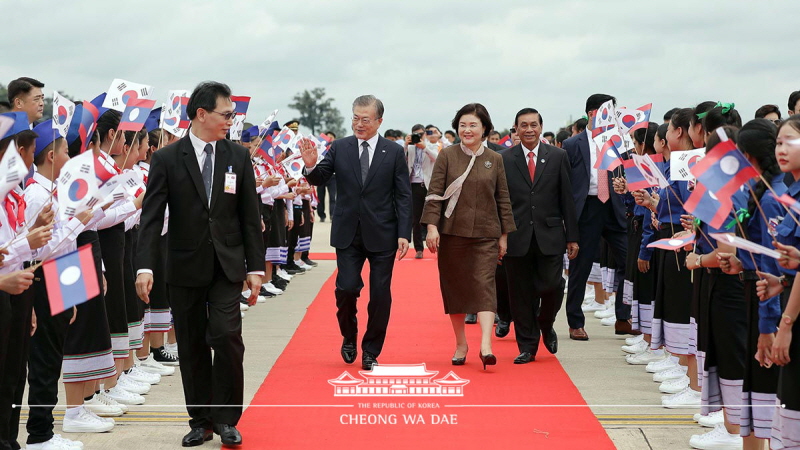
{"x":109,"y":120}
{"x":331,"y":132}
{"x":370,"y":100}
{"x":205,"y":96}
{"x":493,"y":132}
{"x":662,"y":130}
{"x":25,"y":138}
{"x":480,"y":112}
{"x":718,"y":117}
{"x":581,"y":124}
{"x":595,"y":101}
{"x":549,"y":134}
{"x":698,"y":110}
{"x":562,"y":136}
{"x":647,"y":136}
{"x":22,"y":85}
{"x":451,"y":132}
{"x":4,"y":106}
{"x":794,"y":97}
{"x":767,"y":109}
{"x":416,"y":127}
{"x":668,"y":114}
{"x":524,"y":111}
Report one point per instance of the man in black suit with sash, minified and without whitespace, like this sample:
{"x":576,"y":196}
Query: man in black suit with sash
{"x":372,"y":221}
{"x":601,"y":213}
{"x":214,"y":244}
{"x":544,"y":212}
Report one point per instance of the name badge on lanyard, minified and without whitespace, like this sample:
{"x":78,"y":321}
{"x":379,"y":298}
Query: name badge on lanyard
{"x":230,"y":181}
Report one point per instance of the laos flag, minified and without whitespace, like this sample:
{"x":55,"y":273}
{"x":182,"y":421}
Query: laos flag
{"x":240,"y":103}
{"x":71,"y":279}
{"x":723,"y":170}
{"x":672,"y":243}
{"x":506,"y":141}
{"x":708,"y":207}
{"x":135,"y":114}
{"x":608,"y":156}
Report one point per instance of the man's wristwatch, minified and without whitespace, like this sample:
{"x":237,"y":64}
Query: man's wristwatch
{"x":784,"y":281}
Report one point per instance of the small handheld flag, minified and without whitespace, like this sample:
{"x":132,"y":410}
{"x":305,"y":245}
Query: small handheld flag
{"x":63,"y":110}
{"x":240,"y":104}
{"x":121,"y":92}
{"x":642,"y":172}
{"x":724,"y":170}
{"x":681,"y":163}
{"x":135,"y":115}
{"x":506,"y":141}
{"x":608,"y":156}
{"x":71,"y":279}
{"x":633,"y":119}
{"x":605,"y":115}
{"x":672,"y":243}
{"x":707,"y":207}
{"x":790,"y":202}
{"x":12,"y":169}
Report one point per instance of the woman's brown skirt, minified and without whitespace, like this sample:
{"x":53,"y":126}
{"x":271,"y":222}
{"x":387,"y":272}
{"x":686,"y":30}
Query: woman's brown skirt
{"x":466,"y":274}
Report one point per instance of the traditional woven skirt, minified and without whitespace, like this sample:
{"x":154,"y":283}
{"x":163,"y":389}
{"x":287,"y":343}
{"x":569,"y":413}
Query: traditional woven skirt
{"x":112,"y":245}
{"x":467,"y":269}
{"x":160,"y":315}
{"x":134,"y":306}
{"x":786,"y":422}
{"x":276,"y":240}
{"x":673,"y":299}
{"x":640,"y":288}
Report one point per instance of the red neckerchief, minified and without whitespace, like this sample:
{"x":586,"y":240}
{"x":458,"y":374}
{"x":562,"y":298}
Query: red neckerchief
{"x":15,"y":200}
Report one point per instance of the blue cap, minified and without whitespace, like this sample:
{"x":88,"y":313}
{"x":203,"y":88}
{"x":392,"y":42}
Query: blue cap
{"x":153,"y":119}
{"x":252,"y":132}
{"x":98,"y":103}
{"x":46,"y":136}
{"x":20,"y":123}
{"x":246,"y":135}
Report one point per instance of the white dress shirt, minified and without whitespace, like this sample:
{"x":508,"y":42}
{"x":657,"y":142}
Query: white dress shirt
{"x":592,"y":162}
{"x":372,"y":142}
{"x":535,"y":152}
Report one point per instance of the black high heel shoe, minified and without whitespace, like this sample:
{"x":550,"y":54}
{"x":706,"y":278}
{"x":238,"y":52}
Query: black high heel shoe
{"x":459,"y":361}
{"x":487,"y":360}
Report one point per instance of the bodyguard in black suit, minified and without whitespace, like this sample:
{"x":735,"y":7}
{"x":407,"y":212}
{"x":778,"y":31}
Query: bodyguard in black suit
{"x":544,"y":212}
{"x":371,"y":221}
{"x":214,"y":244}
{"x":601,"y":213}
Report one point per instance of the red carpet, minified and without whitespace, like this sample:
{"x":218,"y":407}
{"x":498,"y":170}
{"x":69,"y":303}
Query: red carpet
{"x":303,"y":413}
{"x":322,"y":256}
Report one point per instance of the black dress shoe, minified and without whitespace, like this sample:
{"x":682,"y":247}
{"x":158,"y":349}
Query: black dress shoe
{"x":228,"y":434}
{"x":551,"y":341}
{"x":471,"y":318}
{"x":502,"y":329}
{"x":525,"y":358}
{"x":368,"y":360}
{"x":349,"y":351}
{"x":196,"y":437}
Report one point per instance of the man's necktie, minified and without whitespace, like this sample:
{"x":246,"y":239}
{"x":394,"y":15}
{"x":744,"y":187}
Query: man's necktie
{"x":207,"y":169}
{"x":364,"y":161}
{"x":602,"y":185}
{"x":531,"y":165}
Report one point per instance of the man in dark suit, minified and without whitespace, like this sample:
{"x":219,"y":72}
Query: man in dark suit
{"x":544,"y":212}
{"x":214,"y":244}
{"x":601,"y":213}
{"x":372,"y":220}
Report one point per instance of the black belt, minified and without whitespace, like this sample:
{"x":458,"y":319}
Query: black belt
{"x":715,"y":271}
{"x":749,"y":275}
{"x":668,"y":225}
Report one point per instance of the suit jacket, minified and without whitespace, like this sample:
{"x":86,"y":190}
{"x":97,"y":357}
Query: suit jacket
{"x":381,"y":203}
{"x":545,"y":208}
{"x":229,"y":228}
{"x":483,"y":209}
{"x":577,"y":148}
{"x":429,"y":154}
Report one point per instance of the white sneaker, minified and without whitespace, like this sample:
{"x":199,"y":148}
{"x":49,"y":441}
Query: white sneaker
{"x":150,"y":365}
{"x":86,"y":422}
{"x":120,"y":395}
{"x":104,"y":419}
{"x":54,"y":444}
{"x":674,"y":373}
{"x":243,"y":306}
{"x":608,"y":312}
{"x":588,"y":295}
{"x":645,"y":357}
{"x":99,"y":406}
{"x":284,"y":274}
{"x":635,"y":348}
{"x":301,"y":264}
{"x":660,"y":366}
{"x":261,"y":299}
{"x":633,"y":340}
{"x":609,"y":321}
{"x":242,"y":313}
{"x":712,"y":419}
{"x":687,"y":398}
{"x":105,"y":398}
{"x":674,"y":385}
{"x":593,"y":306}
{"x":141,"y":376}
{"x":77,"y":444}
{"x":269,"y":287}
{"x":717,"y":439}
{"x":696,"y":417}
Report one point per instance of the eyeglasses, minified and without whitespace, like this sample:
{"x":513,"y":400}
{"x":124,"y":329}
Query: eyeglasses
{"x":227,"y":116}
{"x":513,"y":129}
{"x":363,"y":120}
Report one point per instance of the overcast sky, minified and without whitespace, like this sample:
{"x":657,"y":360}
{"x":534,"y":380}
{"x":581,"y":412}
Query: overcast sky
{"x":424,"y":59}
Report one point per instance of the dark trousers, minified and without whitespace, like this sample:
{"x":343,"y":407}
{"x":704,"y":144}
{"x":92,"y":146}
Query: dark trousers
{"x":418,"y":193}
{"x":536,"y":291}
{"x":5,"y":329}
{"x":350,"y":262}
{"x":295,"y":233}
{"x":501,"y":285}
{"x":330,"y":187}
{"x":207,"y":318}
{"x":597,"y":220}
{"x":44,"y":363}
{"x":12,"y":379}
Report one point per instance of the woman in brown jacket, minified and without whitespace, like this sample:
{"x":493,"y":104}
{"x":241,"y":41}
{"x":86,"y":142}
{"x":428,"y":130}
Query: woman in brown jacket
{"x":468,"y":201}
